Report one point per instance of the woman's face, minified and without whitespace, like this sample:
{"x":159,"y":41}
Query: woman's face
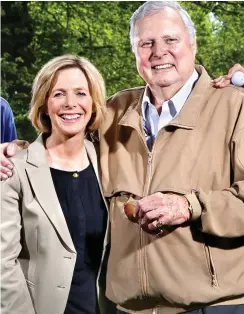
{"x":69,"y":104}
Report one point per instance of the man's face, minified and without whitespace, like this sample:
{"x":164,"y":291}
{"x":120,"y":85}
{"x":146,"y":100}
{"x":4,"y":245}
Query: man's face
{"x":164,"y":54}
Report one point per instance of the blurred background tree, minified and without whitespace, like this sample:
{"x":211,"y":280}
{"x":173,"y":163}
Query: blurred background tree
{"x":34,"y":32}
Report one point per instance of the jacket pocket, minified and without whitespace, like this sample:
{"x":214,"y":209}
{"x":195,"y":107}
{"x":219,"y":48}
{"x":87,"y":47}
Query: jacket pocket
{"x":211,"y":266}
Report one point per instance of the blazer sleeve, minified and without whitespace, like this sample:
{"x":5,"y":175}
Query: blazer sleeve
{"x":222,"y":212}
{"x":15,"y":297}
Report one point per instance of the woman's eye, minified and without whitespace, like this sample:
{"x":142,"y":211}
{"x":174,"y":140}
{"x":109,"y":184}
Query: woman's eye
{"x":58,"y":94}
{"x":81,"y":94}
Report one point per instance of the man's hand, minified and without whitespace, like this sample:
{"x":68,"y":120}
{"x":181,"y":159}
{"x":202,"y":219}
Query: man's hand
{"x":158,"y":210}
{"x":225,"y":80}
{"x":7,"y":150}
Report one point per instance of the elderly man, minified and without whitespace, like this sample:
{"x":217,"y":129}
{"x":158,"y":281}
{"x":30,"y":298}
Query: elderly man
{"x":172,"y":158}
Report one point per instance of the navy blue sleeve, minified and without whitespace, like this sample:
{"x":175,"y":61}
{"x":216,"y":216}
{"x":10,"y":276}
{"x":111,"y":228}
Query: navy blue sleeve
{"x":8,"y":129}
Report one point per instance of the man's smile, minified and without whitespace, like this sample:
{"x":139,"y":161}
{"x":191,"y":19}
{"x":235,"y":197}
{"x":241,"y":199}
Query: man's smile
{"x":162,"y":66}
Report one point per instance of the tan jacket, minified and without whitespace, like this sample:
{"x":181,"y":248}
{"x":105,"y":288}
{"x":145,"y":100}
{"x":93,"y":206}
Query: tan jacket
{"x":37,"y":252}
{"x":201,"y":262}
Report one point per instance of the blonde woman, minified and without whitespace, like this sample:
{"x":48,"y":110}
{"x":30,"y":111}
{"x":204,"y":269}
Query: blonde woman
{"x":54,"y":226}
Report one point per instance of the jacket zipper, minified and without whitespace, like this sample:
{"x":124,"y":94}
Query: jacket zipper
{"x":212,"y":271}
{"x":142,"y":253}
{"x":142,"y":237}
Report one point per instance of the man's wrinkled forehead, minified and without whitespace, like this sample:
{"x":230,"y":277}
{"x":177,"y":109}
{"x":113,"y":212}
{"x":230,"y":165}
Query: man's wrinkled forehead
{"x":145,"y":25}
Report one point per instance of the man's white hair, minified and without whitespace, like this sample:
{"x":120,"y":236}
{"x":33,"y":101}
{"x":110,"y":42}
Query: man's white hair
{"x":152,"y":7}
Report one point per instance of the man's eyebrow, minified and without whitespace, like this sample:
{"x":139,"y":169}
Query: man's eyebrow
{"x":144,"y":39}
{"x":169,"y":36}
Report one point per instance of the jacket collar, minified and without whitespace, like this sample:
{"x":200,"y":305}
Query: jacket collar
{"x":36,"y":154}
{"x":189,"y":114}
{"x":133,"y":115}
{"x":41,"y":181}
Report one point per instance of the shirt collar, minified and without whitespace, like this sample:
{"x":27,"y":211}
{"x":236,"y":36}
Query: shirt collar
{"x":178,"y":99}
{"x":145,"y":101}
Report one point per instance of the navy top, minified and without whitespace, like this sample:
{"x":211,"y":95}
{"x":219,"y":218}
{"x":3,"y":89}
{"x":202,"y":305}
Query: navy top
{"x":8,"y":130}
{"x":86,"y":217}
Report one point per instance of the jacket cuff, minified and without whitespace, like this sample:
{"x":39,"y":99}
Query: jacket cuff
{"x":196,"y":209}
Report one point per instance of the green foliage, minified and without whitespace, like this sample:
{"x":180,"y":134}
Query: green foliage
{"x":34,"y":32}
{"x":219,"y":33}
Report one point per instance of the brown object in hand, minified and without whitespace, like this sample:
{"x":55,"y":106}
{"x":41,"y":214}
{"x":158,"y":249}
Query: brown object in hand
{"x":129,"y":209}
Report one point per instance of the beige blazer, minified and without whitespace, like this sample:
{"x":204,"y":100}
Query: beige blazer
{"x":37,"y":252}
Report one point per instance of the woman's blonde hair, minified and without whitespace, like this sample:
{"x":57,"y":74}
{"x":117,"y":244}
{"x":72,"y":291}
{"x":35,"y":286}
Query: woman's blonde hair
{"x":43,"y":83}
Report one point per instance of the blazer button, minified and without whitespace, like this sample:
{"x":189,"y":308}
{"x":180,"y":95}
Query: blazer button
{"x":61,"y":287}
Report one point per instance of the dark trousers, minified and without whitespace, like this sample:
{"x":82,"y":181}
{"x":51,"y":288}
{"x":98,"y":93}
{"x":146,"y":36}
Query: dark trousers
{"x":219,"y":309}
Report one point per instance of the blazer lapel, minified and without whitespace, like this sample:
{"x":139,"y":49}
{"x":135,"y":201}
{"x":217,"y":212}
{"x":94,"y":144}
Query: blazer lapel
{"x":93,"y":158}
{"x":91,"y":152}
{"x":42,"y":184}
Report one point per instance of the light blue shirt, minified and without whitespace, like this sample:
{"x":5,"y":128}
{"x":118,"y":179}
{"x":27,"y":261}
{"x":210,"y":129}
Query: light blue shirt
{"x":153,"y":122}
